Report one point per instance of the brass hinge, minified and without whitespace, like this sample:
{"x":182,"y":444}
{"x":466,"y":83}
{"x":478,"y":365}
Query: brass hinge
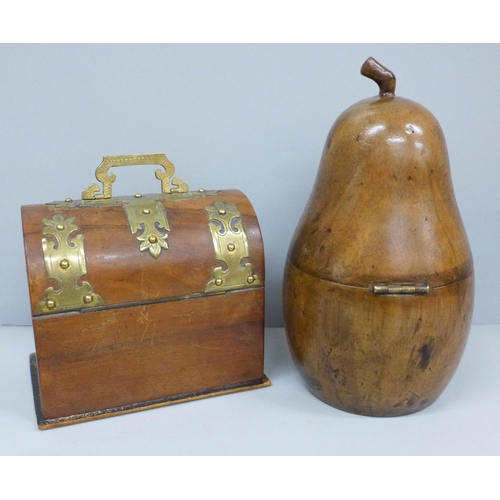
{"x":401,"y":289}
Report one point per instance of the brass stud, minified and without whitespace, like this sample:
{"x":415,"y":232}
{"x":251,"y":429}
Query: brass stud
{"x":64,"y":264}
{"x":67,"y":200}
{"x":218,"y":281}
{"x":51,"y":304}
{"x":60,"y":227}
{"x":88,"y":299}
{"x":222,"y":211}
{"x":152,"y":239}
{"x":146,"y":211}
{"x":231,"y":247}
{"x":138,"y":195}
{"x":251,"y":279}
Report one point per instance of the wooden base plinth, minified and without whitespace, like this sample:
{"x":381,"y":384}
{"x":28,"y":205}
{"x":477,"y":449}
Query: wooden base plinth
{"x":49,"y":423}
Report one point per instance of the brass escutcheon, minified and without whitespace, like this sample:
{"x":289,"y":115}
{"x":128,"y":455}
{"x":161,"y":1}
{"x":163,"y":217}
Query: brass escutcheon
{"x":147,"y":216}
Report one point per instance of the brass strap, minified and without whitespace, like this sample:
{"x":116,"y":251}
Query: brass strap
{"x":64,"y":258}
{"x":231,"y":247}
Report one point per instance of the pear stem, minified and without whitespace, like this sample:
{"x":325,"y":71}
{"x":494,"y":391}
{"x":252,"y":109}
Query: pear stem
{"x":384,"y":78}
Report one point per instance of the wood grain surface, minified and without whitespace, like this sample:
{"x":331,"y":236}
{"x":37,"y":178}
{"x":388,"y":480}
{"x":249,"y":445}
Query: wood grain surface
{"x":383,"y":206}
{"x":382,"y":212}
{"x":115,"y":357}
{"x":377,"y":355}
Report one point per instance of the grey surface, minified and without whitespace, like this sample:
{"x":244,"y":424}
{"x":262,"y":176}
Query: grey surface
{"x":283,"y":419}
{"x":251,"y":117}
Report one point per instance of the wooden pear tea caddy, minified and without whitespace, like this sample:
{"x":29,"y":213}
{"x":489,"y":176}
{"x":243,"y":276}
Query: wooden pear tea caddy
{"x":378,"y":284}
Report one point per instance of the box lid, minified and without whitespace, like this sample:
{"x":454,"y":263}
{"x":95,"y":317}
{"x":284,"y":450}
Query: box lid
{"x":129,"y":250}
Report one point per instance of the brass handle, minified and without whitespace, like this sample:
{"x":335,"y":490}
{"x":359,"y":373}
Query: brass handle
{"x":102,"y":175}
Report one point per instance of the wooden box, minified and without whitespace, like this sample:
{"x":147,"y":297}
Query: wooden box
{"x":145,"y":300}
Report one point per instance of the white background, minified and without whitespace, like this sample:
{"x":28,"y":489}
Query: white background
{"x":247,"y":116}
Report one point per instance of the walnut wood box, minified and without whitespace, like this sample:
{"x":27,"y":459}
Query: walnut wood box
{"x":145,"y":300}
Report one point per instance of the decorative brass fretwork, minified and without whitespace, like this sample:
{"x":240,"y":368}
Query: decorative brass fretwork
{"x":148,"y":216}
{"x":65,"y":262}
{"x":102,"y":175}
{"x":231,"y":248}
